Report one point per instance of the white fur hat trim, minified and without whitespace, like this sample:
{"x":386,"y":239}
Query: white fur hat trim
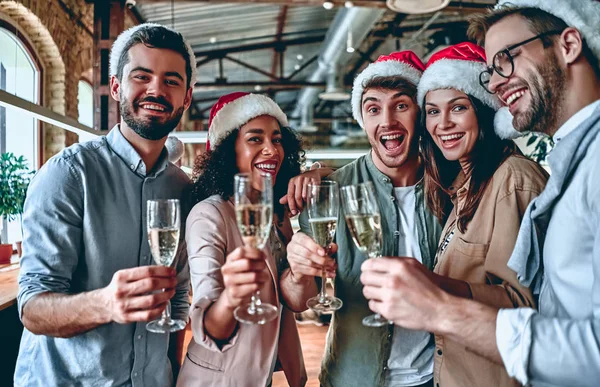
{"x":241,"y":110}
{"x":581,"y":14}
{"x":457,"y":74}
{"x":122,"y":40}
{"x":379,"y":69}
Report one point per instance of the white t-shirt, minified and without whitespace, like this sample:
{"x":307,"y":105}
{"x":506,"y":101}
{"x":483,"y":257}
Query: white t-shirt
{"x":411,"y":357}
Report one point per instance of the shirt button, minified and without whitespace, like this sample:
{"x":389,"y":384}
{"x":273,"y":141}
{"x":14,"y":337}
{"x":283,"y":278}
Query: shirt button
{"x":139,"y":337}
{"x":385,"y":368}
{"x":393,"y":198}
{"x":132,"y":166}
{"x":135,"y":374}
{"x":397,"y":233}
{"x":439,"y":352}
{"x":386,"y":180}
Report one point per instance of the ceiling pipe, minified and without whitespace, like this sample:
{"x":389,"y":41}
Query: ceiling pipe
{"x":356,"y":20}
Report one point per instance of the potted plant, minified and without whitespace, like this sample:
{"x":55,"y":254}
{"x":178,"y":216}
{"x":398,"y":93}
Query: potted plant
{"x":14,"y":179}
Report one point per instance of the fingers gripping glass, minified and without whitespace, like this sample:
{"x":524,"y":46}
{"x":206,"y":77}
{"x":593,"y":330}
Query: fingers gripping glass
{"x":503,"y":62}
{"x":254,"y":217}
{"x":163,"y":236}
{"x":364,"y":222}
{"x":323,"y":204}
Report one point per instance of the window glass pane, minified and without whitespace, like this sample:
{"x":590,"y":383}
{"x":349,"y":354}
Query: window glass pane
{"x":19,"y":135}
{"x":86,"y":104}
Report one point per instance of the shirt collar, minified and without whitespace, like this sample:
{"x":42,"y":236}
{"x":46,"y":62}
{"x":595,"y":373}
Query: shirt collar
{"x":575,"y":120}
{"x":119,"y":144}
{"x":380,"y":175}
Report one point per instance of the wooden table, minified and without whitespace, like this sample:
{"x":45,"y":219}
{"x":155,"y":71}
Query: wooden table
{"x":8,"y":285}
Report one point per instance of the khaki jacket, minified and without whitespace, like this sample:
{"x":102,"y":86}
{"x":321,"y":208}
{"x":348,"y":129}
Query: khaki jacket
{"x":211,"y":234}
{"x":479,"y":257}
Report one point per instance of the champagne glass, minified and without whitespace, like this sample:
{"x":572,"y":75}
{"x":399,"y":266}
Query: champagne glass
{"x":364,"y":221}
{"x":254,"y":216}
{"x":163,"y":219}
{"x":323,"y":204}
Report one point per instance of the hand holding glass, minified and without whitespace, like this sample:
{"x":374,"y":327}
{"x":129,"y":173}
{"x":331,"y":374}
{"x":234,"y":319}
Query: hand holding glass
{"x":163,"y":219}
{"x":364,"y":222}
{"x":254,"y":216}
{"x":323,"y":204}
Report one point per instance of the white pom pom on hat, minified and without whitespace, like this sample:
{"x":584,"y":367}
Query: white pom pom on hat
{"x":175,"y":148}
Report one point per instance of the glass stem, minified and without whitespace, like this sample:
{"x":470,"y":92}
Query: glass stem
{"x":255,"y":301}
{"x":376,"y":255}
{"x":166,"y":314}
{"x":323,"y":292}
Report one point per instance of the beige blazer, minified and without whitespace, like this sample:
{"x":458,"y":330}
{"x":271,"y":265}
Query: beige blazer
{"x":211,"y":234}
{"x":479,"y":257}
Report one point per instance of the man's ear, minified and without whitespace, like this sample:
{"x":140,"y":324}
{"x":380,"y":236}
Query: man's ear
{"x":571,"y":44}
{"x":188,"y":98}
{"x":115,"y":87}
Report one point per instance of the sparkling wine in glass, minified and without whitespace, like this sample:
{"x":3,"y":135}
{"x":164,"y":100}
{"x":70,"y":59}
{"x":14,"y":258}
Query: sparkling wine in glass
{"x":323,"y":204}
{"x":163,"y":219}
{"x":254,"y":216}
{"x":364,"y":222}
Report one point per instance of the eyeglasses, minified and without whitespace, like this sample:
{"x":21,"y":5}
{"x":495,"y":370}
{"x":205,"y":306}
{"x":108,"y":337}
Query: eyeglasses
{"x":503,"y":62}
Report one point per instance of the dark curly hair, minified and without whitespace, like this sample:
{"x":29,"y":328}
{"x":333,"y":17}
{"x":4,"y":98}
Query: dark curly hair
{"x":214,"y":170}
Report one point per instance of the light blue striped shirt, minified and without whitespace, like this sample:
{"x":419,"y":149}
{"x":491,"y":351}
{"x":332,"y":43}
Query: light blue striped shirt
{"x":84,"y":219}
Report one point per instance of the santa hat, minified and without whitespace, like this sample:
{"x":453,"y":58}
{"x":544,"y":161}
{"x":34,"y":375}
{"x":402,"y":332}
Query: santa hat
{"x":581,"y":14}
{"x":405,"y":64}
{"x":458,"y":67}
{"x":175,"y":148}
{"x":125,"y":37}
{"x":233,"y":110}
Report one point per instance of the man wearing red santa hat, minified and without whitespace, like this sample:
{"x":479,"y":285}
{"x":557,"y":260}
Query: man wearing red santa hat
{"x":543,"y":58}
{"x":384,"y":104}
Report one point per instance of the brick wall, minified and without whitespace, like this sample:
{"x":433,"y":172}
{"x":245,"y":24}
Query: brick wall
{"x":60,"y":32}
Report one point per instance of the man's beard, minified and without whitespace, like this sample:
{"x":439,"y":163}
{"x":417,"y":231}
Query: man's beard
{"x":547,"y":99}
{"x":150,"y":128}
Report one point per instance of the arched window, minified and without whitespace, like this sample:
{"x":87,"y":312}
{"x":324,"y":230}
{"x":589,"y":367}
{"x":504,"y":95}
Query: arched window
{"x":19,"y":75}
{"x":85,"y":103}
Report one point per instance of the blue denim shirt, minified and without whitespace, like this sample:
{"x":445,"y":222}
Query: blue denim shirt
{"x":356,"y":355}
{"x":84,"y":219}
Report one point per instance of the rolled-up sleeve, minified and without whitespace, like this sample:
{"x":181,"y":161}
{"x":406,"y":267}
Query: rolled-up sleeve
{"x":52,"y":231}
{"x":207,"y":249}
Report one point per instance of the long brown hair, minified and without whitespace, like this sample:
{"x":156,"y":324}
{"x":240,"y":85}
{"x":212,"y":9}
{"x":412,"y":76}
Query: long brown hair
{"x":487,"y":155}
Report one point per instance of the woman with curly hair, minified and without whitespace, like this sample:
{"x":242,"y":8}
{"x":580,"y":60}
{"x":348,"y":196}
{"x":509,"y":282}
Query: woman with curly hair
{"x":479,"y":184}
{"x":248,"y":133}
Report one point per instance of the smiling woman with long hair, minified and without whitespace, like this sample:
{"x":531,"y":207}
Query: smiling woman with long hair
{"x":248,"y":133}
{"x":479,"y":185}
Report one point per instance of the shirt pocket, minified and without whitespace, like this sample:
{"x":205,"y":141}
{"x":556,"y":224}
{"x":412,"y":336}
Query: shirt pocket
{"x":206,"y":359}
{"x":467,"y":261}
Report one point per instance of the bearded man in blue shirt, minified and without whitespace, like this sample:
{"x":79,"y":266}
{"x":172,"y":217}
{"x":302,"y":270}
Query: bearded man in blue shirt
{"x":87,"y":285}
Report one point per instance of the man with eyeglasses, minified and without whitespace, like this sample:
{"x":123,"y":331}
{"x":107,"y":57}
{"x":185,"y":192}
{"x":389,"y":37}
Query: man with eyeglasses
{"x":544,"y":64}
